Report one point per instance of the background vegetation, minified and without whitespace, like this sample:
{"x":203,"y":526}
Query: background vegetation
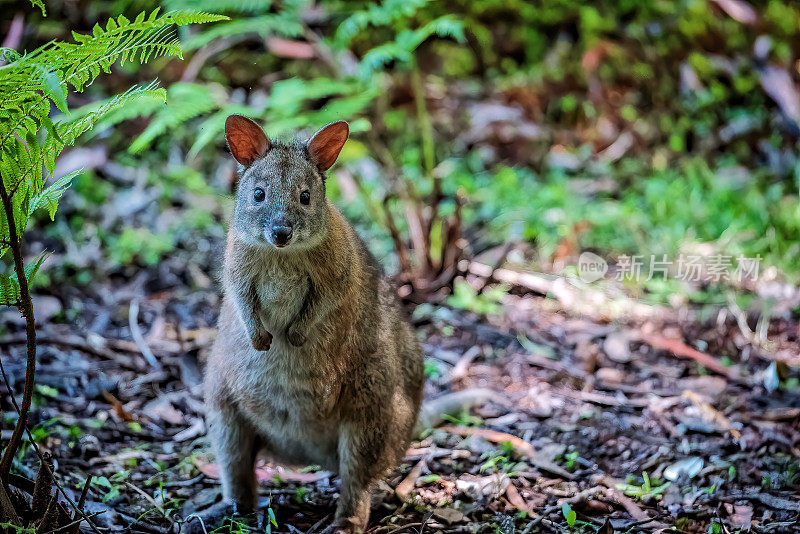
{"x":622,"y":127}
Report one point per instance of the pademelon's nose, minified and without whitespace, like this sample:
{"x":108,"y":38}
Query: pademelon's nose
{"x":281,"y":234}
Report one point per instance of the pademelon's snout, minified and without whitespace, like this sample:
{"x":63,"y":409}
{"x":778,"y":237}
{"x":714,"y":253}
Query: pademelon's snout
{"x":281,"y":234}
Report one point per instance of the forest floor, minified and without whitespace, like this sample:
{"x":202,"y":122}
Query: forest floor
{"x":593,"y":424}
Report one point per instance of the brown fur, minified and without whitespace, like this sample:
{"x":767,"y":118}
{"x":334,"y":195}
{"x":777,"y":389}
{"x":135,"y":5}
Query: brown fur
{"x":341,"y":381}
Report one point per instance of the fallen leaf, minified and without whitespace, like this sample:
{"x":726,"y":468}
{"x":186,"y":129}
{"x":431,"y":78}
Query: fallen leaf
{"x":606,"y":528}
{"x":115,"y":403}
{"x":780,"y":87}
{"x":266,"y":473}
{"x":163,"y":409}
{"x":738,"y":10}
{"x":711,"y":414}
{"x":516,"y":499}
{"x":742,"y":516}
{"x":291,"y":49}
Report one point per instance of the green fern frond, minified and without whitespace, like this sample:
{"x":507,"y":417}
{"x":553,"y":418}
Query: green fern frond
{"x":402,"y":48}
{"x":40,"y":5}
{"x":210,"y":130}
{"x":185,"y":101}
{"x":377,"y":15}
{"x":284,"y":24}
{"x":9,"y":291}
{"x":245,"y":7}
{"x":49,"y":196}
{"x":34,"y":265}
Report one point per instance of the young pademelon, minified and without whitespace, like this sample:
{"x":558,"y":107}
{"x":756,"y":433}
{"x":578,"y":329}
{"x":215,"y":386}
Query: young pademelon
{"x":314,"y":362}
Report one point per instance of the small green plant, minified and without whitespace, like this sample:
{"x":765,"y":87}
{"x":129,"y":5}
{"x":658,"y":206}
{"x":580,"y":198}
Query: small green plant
{"x":17,"y":529}
{"x":493,"y":461}
{"x":112,"y":484}
{"x":709,"y":490}
{"x":463,"y":418}
{"x":432,"y":370}
{"x":569,"y":460}
{"x":646,"y":491}
{"x":467,"y":297}
{"x":569,"y":514}
{"x":731,"y":472}
{"x":500,"y":460}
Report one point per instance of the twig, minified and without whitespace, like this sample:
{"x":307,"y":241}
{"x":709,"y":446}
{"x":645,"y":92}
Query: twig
{"x":400,"y":528}
{"x":136,"y":333}
{"x":520,"y":445}
{"x":461,"y":367}
{"x":499,"y":263}
{"x":316,"y":525}
{"x":575,"y":499}
{"x":631,"y":507}
{"x":82,"y":502}
{"x":404,"y":488}
{"x":147,"y":497}
{"x":399,"y":246}
{"x":682,"y":350}
{"x":75,"y":522}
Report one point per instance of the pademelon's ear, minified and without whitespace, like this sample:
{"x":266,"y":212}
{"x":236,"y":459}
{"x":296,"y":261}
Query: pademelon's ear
{"x":246,"y":139}
{"x":325,"y":145}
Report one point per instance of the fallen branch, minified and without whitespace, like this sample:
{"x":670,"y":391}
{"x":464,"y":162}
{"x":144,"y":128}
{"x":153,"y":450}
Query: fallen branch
{"x":520,"y":445}
{"x":682,"y":350}
{"x":516,"y":500}
{"x":136,"y":333}
{"x":631,"y":507}
{"x":433,"y":410}
{"x":406,"y":486}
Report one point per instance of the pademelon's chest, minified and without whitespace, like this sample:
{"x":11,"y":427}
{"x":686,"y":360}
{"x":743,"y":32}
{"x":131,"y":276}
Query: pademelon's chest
{"x":281,"y":294}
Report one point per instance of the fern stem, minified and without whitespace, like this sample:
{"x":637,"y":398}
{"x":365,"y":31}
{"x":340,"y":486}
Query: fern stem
{"x":26,"y":307}
{"x":424,"y":119}
{"x":428,"y":160}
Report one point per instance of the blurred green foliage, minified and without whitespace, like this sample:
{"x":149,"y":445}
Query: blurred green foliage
{"x":710,"y":154}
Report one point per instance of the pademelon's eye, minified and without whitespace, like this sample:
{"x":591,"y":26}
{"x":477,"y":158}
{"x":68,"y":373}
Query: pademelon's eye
{"x":258,"y":194}
{"x":305,"y":198}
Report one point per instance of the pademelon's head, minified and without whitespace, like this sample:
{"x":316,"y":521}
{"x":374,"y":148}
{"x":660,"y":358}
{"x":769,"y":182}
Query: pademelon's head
{"x":280,"y":198}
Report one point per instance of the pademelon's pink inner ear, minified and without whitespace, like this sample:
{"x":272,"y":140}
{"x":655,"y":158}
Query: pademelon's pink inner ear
{"x":326,"y":144}
{"x":246,"y":139}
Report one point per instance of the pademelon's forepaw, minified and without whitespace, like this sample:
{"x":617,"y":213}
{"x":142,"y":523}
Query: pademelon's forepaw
{"x":262,"y":340}
{"x":295,"y":337}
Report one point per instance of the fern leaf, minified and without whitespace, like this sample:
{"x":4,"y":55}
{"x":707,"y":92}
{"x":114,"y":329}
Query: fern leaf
{"x":33,"y":266}
{"x":284,"y":24}
{"x":377,"y":15}
{"x":9,"y":55}
{"x":49,"y":197}
{"x":185,"y":101}
{"x":40,"y":5}
{"x":9,"y":291}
